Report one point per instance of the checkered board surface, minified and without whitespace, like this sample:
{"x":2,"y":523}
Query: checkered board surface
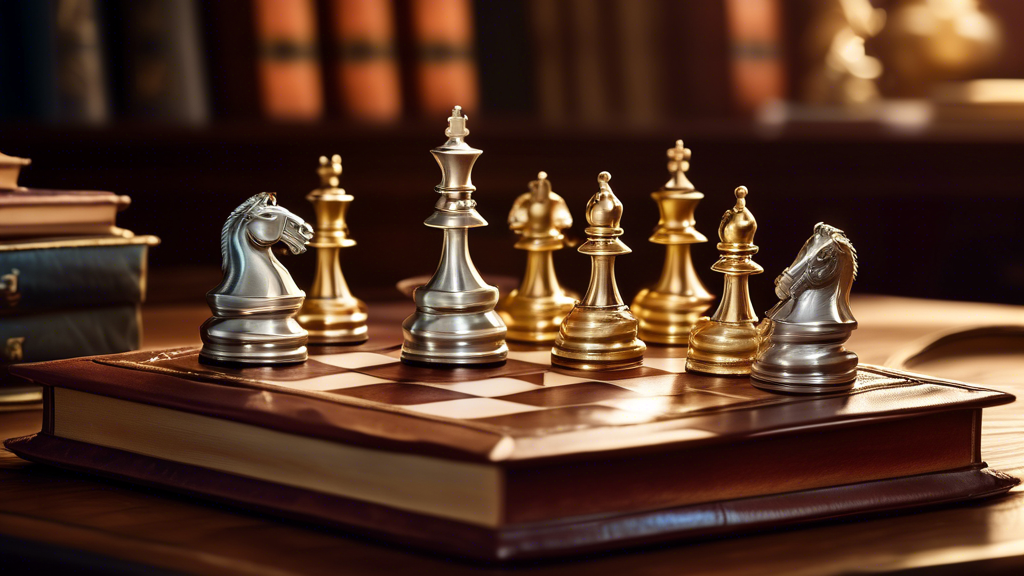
{"x":526,"y":396}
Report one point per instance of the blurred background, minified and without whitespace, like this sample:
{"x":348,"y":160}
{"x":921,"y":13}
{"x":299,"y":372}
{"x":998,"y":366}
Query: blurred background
{"x":899,"y":121}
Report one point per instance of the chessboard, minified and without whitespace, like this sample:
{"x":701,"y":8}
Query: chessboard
{"x":571,"y":460}
{"x":524,"y":397}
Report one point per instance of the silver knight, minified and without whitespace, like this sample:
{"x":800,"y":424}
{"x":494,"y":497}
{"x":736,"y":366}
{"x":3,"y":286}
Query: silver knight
{"x":801,"y":339}
{"x":254,"y":305}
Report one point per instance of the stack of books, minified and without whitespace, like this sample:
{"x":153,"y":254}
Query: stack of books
{"x":71,"y":282}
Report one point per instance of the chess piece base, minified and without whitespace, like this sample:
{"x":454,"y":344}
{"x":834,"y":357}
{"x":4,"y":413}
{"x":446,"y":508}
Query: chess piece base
{"x":722,"y":348}
{"x":667,"y":318}
{"x":253,"y":331}
{"x":598,"y":338}
{"x":533,"y":320}
{"x":475,"y":339}
{"x":804,"y":358}
{"x":334,"y":321}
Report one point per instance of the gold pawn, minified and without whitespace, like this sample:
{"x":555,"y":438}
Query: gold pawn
{"x":669,"y":309}
{"x":726,"y":343}
{"x":600,"y":331}
{"x":535,"y":310}
{"x":330,"y":313}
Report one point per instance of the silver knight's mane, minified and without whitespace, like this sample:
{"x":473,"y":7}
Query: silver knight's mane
{"x":253,"y":204}
{"x":840,"y":238}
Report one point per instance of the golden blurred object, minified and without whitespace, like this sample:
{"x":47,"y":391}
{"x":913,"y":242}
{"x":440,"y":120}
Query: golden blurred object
{"x":846,"y":74}
{"x":668,"y":310}
{"x":330,"y":313}
{"x":939,"y":40}
{"x":600,"y":333}
{"x":10,"y":169}
{"x":726,"y":343}
{"x":534,"y":311}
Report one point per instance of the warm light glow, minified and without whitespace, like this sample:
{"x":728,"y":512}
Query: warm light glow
{"x":995,"y":91}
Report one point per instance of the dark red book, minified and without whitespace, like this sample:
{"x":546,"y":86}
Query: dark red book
{"x":518,"y":461}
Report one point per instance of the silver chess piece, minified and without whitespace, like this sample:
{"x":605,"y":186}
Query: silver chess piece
{"x":801,"y":339}
{"x":255,"y":304}
{"x":455,"y":323}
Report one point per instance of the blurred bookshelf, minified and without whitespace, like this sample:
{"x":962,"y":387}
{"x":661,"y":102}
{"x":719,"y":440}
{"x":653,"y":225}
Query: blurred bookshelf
{"x":572,"y":87}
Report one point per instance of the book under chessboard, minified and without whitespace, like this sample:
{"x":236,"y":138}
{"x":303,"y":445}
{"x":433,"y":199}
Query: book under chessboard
{"x":523,"y":460}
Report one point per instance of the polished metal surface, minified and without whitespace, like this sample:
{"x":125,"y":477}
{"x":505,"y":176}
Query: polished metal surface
{"x":455,"y":323}
{"x":801,"y":339}
{"x":726,"y":343}
{"x":331,"y":314}
{"x":534,"y":311}
{"x":255,"y":304}
{"x":600,"y":333}
{"x":669,"y":309}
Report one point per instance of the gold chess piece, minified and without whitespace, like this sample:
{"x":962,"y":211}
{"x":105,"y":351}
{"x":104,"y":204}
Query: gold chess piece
{"x":331,"y":314}
{"x":727,"y":342}
{"x":669,"y":309}
{"x":600,"y":333}
{"x":535,"y":310}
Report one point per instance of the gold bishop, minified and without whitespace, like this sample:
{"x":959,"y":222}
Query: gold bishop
{"x":600,"y":333}
{"x":727,"y":342}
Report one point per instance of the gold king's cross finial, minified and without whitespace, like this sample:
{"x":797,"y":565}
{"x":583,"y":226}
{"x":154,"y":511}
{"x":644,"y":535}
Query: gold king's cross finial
{"x":678,"y":158}
{"x":678,"y":164}
{"x":330,"y":171}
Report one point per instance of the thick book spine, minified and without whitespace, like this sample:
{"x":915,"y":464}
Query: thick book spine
{"x":36,"y":58}
{"x":365,"y":67}
{"x":166,"y":72}
{"x":592,"y":97}
{"x":67,"y":278}
{"x":291,"y":86}
{"x":81,"y":77}
{"x":69,"y":333}
{"x":446,"y":72}
{"x":758,"y":71}
{"x":551,"y":58}
{"x":640,"y":76}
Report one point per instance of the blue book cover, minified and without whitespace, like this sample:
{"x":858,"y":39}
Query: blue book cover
{"x":43,"y":275}
{"x":69,"y":333}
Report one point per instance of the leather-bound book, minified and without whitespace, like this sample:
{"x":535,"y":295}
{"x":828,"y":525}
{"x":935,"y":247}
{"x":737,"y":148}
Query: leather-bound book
{"x":33,"y":212}
{"x":758,"y":67}
{"x":43,"y":275}
{"x":54,"y":61}
{"x":517,"y":461}
{"x":166,"y":73}
{"x":365,"y":68}
{"x":288,"y":57}
{"x":445,"y":68}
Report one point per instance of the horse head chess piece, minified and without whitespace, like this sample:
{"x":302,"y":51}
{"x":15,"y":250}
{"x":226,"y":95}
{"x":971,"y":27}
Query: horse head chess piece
{"x":801,"y":339}
{"x":254,"y":305}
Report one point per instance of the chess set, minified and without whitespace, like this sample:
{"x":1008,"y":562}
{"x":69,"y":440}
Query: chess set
{"x":260,"y":317}
{"x":535,"y":424}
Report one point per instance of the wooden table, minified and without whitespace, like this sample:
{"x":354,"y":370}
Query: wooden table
{"x":51,"y":519}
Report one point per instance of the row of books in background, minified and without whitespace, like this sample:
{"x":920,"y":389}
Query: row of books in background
{"x":576,"y":61}
{"x":71,"y":281}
